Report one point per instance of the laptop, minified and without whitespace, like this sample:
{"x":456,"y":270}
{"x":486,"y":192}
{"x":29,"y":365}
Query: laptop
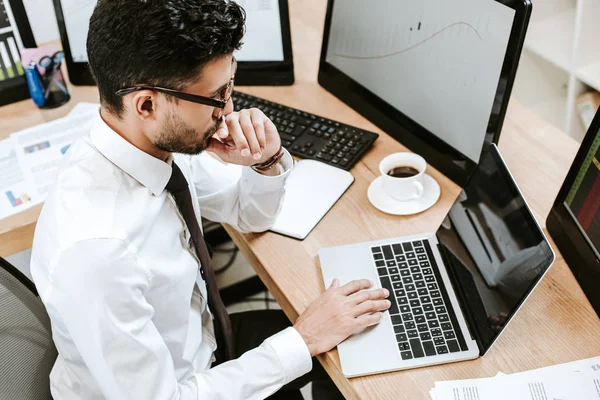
{"x":453,"y":292}
{"x":574,"y":221}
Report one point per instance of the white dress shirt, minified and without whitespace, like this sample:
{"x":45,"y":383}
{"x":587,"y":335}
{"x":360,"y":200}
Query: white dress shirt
{"x":112,"y":262}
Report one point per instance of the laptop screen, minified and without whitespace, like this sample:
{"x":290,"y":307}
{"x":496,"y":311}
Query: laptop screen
{"x":493,"y":248}
{"x":583,"y":200}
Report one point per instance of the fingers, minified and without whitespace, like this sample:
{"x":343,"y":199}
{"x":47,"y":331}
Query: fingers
{"x":270,"y":128}
{"x":248,"y":130}
{"x":222,"y":131}
{"x":217,"y":147}
{"x":369,"y":319}
{"x":363,"y":296}
{"x":237,"y":135}
{"x":354,"y":286}
{"x":258,"y":121}
{"x":370,"y":306}
{"x":335,"y":283}
{"x":248,"y":120}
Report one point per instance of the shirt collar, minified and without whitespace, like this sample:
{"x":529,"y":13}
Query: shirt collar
{"x":151,"y":172}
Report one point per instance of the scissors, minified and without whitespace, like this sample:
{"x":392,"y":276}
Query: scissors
{"x":52,"y":66}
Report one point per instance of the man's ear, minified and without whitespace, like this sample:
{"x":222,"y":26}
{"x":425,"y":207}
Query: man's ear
{"x":144,"y":104}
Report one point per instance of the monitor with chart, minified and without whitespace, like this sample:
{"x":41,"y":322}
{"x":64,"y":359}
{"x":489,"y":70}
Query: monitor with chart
{"x":264,"y":59}
{"x":434,"y":74}
{"x":574,"y":221}
{"x":15,"y":35}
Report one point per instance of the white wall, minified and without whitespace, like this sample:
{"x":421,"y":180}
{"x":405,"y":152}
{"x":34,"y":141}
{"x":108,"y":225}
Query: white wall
{"x":42,"y":20}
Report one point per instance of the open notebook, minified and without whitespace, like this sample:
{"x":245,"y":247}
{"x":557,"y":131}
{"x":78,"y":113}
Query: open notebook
{"x":311,"y":190}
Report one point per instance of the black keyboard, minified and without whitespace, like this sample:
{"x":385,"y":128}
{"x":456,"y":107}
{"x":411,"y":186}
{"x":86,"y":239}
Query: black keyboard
{"x":423,"y":319}
{"x":309,"y":136}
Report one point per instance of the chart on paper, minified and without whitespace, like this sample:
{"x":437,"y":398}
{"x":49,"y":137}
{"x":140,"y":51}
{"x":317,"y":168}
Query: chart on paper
{"x":429,"y":59}
{"x":17,"y":193}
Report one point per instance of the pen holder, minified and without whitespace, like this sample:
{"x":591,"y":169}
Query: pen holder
{"x":46,"y":83}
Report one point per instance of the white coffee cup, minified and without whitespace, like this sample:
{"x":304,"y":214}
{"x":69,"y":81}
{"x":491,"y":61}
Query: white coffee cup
{"x":405,"y":188}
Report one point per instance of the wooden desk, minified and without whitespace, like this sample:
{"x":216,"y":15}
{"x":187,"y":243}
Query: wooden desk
{"x":16,"y":232}
{"x":556,"y":325}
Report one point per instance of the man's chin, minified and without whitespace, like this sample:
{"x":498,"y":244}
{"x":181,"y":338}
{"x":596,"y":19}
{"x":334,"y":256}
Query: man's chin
{"x":180,"y":148}
{"x":199,"y":148}
{"x":208,"y":137}
{"x":187,"y":148}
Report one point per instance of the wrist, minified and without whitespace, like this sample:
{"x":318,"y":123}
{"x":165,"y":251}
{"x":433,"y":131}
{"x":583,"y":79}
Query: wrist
{"x":275,"y":171}
{"x":310,"y":343}
{"x":270,"y":163}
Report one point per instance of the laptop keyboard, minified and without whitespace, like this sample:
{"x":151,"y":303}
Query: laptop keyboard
{"x":424,"y":324}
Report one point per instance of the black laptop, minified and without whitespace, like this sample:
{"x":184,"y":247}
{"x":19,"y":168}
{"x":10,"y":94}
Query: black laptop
{"x":574,"y":221}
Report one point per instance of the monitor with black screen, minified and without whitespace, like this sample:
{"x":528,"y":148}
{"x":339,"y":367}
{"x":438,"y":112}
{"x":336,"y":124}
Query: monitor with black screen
{"x":434,"y":74}
{"x":574,"y":221}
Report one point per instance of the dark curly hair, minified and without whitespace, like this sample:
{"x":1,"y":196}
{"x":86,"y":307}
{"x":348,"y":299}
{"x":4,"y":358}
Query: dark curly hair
{"x":158,"y":42}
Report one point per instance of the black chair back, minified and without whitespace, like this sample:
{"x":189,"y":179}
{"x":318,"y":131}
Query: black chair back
{"x":27,"y":352}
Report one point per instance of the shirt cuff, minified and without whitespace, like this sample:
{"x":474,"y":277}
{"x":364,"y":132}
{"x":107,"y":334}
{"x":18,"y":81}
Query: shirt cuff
{"x":292,"y":353}
{"x":270,"y":183}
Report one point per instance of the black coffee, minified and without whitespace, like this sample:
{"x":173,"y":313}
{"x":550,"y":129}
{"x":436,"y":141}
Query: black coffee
{"x":403,"y":172}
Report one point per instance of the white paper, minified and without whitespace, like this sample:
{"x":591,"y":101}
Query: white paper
{"x":262,"y":40}
{"x":588,"y":365}
{"x":40,"y":149}
{"x":552,"y":384}
{"x":578,"y":380}
{"x":570,"y":386}
{"x":468,"y":389}
{"x":83,"y":108}
{"x":17,"y":193}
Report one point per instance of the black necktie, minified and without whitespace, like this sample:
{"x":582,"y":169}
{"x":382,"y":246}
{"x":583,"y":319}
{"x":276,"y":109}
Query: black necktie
{"x":178,"y":187}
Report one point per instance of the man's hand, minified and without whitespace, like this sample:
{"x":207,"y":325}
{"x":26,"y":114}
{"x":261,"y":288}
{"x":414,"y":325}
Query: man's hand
{"x":245,"y":138}
{"x":338,"y":312}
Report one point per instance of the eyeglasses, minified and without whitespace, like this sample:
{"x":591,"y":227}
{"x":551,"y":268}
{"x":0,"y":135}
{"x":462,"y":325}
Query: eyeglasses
{"x":221,"y":103}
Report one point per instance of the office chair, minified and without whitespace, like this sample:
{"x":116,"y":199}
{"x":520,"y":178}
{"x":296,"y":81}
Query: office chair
{"x":27,"y":352}
{"x":215,"y":235}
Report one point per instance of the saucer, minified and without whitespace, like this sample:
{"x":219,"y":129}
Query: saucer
{"x":385,"y":203}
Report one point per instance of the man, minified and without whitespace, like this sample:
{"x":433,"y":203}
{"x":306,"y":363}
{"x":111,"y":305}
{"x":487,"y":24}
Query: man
{"x":119,"y":259}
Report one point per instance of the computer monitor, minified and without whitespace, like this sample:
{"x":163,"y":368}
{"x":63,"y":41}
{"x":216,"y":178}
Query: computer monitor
{"x":574,"y":221}
{"x":15,"y":35}
{"x":264,"y":59}
{"x":434,"y":74}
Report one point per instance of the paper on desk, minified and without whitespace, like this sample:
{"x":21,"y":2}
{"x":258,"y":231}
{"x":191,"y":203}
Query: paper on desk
{"x":569,"y":386}
{"x":467,"y":389}
{"x":589,"y":365}
{"x":40,"y":149}
{"x":17,"y":193}
{"x":577,"y":380}
{"x":555,"y":385}
{"x":83,"y":108}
